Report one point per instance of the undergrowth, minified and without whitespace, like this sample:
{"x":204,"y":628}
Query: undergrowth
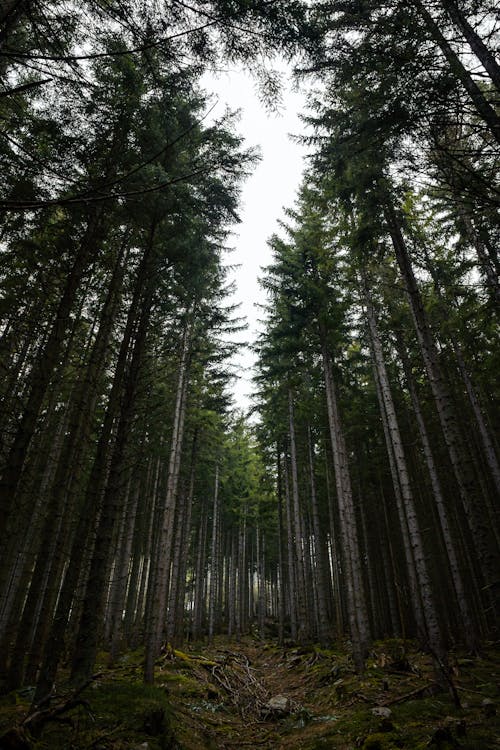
{"x":217,"y":698}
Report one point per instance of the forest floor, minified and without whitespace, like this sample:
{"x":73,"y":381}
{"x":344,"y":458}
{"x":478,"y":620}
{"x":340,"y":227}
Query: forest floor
{"x":255,"y":694}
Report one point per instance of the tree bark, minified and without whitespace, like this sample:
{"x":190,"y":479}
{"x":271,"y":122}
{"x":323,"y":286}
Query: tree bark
{"x":459,"y":458}
{"x":483,"y":107}
{"x":446,"y":530}
{"x":45,"y":365}
{"x":355,"y":595}
{"x":160,"y":578}
{"x":319,"y":568}
{"x":177,"y":586}
{"x":408,"y":518}
{"x":94,"y":602}
{"x":291,"y":566}
{"x":214,"y":562}
{"x":303,"y":631}
{"x":474,"y":41}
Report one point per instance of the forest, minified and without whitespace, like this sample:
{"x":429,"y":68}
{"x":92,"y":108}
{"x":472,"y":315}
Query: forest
{"x":323,"y":571}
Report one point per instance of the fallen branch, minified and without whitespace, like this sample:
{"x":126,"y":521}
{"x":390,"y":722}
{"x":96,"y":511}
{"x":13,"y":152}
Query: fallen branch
{"x":363,"y":697}
{"x":409,"y":696}
{"x":20,"y":737}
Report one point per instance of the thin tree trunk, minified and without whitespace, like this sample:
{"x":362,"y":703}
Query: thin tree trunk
{"x":177,"y":585}
{"x":231,"y":620}
{"x":281,"y":562}
{"x":334,"y":556}
{"x":292,"y":588}
{"x":43,"y":368}
{"x":483,"y":107}
{"x":119,"y":585}
{"x":488,"y":265}
{"x":456,"y":576}
{"x":160,"y":578}
{"x":90,"y":507}
{"x":356,"y":603}
{"x":199,"y":584}
{"x":94,"y":599}
{"x":320,"y":577}
{"x":212,"y":592}
{"x":408,"y":517}
{"x":474,"y":41}
{"x":460,"y":460}
{"x":484,"y":433}
{"x":303,"y":632}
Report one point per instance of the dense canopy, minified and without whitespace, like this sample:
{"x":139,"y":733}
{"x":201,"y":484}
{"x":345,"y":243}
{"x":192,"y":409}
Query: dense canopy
{"x":139,"y":507}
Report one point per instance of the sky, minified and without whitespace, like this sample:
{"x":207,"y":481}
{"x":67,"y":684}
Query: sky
{"x":272,"y":187}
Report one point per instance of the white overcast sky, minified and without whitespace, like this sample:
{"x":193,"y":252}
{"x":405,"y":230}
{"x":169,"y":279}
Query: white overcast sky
{"x":271,"y":188}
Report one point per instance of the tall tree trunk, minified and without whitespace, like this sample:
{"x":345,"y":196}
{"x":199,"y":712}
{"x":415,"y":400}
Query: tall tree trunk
{"x":91,"y":505}
{"x":281,"y":561}
{"x":135,"y":607}
{"x":242,"y":608}
{"x":160,"y":577}
{"x":478,"y":47}
{"x":409,"y":517}
{"x":484,"y":433}
{"x":94,"y":599}
{"x":291,"y":566}
{"x":177,"y":586}
{"x":356,"y":603}
{"x":489,"y":265}
{"x":122,"y":572}
{"x":45,"y":364}
{"x":414,"y":592}
{"x":214,"y":561}
{"x":200,"y":578}
{"x":459,"y":458}
{"x":179,"y":632}
{"x":303,"y":632}
{"x":72,"y":461}
{"x":334,"y":556}
{"x":232,"y":585}
{"x":320,"y":577}
{"x":456,"y":576}
{"x":483,"y":107}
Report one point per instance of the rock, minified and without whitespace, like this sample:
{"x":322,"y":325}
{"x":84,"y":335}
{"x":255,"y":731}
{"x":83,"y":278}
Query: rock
{"x":278,"y":704}
{"x":488,"y":707}
{"x":382,"y":712}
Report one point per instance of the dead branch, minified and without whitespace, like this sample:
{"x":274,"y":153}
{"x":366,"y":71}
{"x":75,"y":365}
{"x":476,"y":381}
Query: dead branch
{"x":20,"y":737}
{"x":408,"y":696}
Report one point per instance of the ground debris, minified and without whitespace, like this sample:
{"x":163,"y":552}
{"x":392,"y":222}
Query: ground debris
{"x":234,"y":695}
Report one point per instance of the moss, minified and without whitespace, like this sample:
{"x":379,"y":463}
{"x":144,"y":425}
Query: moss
{"x":195,"y":714}
{"x":181,"y":684}
{"x":379,"y":741}
{"x":193,"y":660}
